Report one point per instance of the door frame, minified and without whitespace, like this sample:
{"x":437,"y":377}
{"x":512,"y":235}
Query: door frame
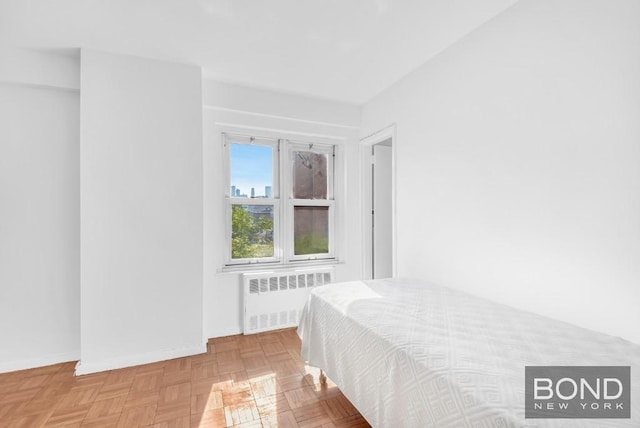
{"x":366,"y":157}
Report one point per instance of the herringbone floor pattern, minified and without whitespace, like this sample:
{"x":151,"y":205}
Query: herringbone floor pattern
{"x":244,"y":381}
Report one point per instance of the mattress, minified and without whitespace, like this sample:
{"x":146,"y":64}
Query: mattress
{"x":410,"y":353}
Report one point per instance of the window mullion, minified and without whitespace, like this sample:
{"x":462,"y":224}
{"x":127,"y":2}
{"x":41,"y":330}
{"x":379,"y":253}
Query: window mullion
{"x":284,"y":196}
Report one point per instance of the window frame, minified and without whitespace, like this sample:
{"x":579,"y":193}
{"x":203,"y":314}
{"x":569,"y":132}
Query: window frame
{"x":230,"y":201}
{"x":329,"y":202}
{"x":282,"y":200}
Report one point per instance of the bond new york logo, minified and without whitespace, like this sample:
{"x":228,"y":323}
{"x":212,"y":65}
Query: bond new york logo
{"x":577,"y":392}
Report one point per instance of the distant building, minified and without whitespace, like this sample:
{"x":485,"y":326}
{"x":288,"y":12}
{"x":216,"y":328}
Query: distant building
{"x":237,"y":193}
{"x":267,"y":191}
{"x":253,"y":192}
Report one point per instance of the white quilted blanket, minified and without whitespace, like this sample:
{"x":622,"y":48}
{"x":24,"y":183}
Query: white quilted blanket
{"x":409,"y":353}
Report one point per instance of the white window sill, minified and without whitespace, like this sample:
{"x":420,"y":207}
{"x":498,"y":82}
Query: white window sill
{"x":277,"y":266}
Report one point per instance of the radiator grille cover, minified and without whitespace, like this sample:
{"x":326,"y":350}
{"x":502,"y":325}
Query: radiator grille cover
{"x":274,"y":300}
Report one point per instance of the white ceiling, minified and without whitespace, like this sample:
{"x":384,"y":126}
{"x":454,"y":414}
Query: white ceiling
{"x":346,"y":50}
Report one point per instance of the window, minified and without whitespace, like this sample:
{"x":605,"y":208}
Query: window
{"x":279,"y":200}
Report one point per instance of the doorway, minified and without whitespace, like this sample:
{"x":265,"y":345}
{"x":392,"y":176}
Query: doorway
{"x":379,"y":204}
{"x":381,"y":213}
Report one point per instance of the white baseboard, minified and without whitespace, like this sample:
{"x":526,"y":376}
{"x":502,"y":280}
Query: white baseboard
{"x":223,"y":332}
{"x":84,"y":367}
{"x":42,"y":361}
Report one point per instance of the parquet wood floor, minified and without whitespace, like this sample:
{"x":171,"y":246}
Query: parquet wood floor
{"x":242,"y":381}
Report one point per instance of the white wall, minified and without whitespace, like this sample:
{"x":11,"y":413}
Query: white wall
{"x":39,"y":211}
{"x":141,"y":204}
{"x":141,"y":211}
{"x":45,"y":68}
{"x":517,"y":154}
{"x":230,"y":107}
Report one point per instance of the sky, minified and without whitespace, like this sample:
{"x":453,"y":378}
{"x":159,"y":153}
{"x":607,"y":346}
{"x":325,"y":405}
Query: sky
{"x":251,"y":166}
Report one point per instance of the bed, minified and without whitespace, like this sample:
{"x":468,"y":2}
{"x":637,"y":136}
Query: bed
{"x":411,"y":353}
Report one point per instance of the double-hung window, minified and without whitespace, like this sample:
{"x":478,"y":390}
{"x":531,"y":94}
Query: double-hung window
{"x":279,"y":200}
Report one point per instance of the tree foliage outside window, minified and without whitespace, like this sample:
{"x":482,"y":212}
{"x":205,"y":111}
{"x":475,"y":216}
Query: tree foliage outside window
{"x":311,"y":230}
{"x":252,"y":232}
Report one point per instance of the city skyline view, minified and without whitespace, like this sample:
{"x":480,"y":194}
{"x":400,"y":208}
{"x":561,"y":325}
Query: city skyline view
{"x":238,"y":192}
{"x":251,"y":167}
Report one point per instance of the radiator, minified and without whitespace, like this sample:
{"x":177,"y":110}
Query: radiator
{"x":274,"y":300}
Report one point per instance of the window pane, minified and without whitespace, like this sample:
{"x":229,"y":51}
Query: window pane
{"x":309,"y":175}
{"x":251,"y":171}
{"x":311,"y":230}
{"x":251,"y":231}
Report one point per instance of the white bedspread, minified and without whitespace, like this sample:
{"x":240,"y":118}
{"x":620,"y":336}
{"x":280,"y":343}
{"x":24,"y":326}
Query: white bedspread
{"x":409,"y":353}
